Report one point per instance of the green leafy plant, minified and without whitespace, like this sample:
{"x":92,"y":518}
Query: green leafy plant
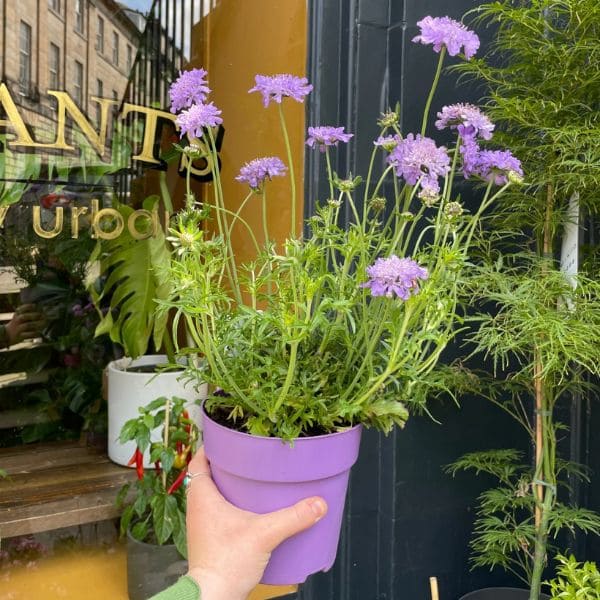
{"x":154,"y":505}
{"x":135,"y":273}
{"x":575,"y":580}
{"x":537,"y":326}
{"x":346,"y":324}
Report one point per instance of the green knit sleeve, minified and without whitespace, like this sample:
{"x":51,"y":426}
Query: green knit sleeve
{"x":185,"y":589}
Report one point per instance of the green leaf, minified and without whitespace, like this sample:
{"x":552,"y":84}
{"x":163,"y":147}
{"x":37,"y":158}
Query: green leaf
{"x":164,"y":516}
{"x":140,"y":530}
{"x":179,"y":534}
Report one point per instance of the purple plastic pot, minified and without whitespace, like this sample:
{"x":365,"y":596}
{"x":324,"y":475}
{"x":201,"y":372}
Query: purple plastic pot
{"x":263,"y":474}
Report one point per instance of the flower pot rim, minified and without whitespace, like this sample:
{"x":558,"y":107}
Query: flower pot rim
{"x":298,"y":440}
{"x":120,"y":365}
{"x":134,"y":539}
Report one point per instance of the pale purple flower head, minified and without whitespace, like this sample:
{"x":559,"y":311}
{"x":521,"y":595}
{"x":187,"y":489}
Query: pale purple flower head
{"x":256,"y":171}
{"x":198,"y":117}
{"x":497,"y":166}
{"x":388,"y":142}
{"x":469,"y":120}
{"x":444,"y":31}
{"x":395,"y":276}
{"x":469,"y":150}
{"x":418,"y":158}
{"x":326,"y":136}
{"x":277,"y":87}
{"x":189,"y":88}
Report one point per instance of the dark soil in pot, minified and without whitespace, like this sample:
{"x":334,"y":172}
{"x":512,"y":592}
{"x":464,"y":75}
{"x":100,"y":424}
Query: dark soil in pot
{"x":501,"y":594}
{"x":151,"y":369}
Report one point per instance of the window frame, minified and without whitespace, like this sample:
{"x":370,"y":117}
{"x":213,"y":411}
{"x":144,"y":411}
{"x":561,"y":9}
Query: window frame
{"x":78,"y":83}
{"x":79,"y":17}
{"x":115,"y":49}
{"x":54,"y":69}
{"x":100,"y":34}
{"x":25,"y":57}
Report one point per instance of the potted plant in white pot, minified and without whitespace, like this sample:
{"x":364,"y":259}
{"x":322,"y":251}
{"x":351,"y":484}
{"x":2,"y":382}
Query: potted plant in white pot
{"x":135,"y":273}
{"x":153,"y":517}
{"x":325,"y":333}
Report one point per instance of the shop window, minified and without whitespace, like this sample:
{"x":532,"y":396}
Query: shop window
{"x":54,"y":66}
{"x":115,"y":56}
{"x":100,"y":35}
{"x":25,"y":57}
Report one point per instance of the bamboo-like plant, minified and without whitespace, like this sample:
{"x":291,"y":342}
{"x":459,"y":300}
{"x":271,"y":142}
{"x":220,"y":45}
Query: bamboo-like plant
{"x":543,"y":331}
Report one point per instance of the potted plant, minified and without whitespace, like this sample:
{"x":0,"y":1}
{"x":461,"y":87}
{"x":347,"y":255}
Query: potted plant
{"x":153,"y":506}
{"x":538,"y":319}
{"x":134,"y":271}
{"x":340,"y":328}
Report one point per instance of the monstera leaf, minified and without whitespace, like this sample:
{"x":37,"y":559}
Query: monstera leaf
{"x":136,"y":278}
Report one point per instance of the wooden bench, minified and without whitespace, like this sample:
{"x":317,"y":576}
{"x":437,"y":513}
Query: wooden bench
{"x":49,"y":486}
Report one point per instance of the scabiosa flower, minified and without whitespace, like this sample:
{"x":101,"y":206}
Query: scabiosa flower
{"x":418,"y":158}
{"x":326,"y":136}
{"x":395,"y":276}
{"x":388,"y":142}
{"x":469,"y":150}
{"x":444,"y":31}
{"x":256,"y":171}
{"x":196,"y":118}
{"x":468,"y":119}
{"x":498,"y":166}
{"x":189,"y":88}
{"x":277,"y":87}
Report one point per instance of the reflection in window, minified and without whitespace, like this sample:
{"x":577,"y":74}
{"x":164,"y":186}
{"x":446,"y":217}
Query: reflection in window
{"x":100,"y":35}
{"x":25,"y":57}
{"x":79,"y":16}
{"x":100,"y":94}
{"x":54,"y":66}
{"x":115,"y":57}
{"x":78,"y":85}
{"x":54,"y":5}
{"x":129,"y":57}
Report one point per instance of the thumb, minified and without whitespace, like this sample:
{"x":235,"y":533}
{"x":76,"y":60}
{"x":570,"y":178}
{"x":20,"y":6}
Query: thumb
{"x":282,"y":524}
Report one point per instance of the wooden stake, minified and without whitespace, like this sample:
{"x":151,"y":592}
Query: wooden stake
{"x":435,"y":595}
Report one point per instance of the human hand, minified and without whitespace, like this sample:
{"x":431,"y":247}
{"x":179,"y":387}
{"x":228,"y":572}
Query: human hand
{"x":229,"y":548}
{"x":26,"y":323}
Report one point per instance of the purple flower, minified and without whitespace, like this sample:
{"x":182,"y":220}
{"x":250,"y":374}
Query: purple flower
{"x":469,"y":150}
{"x":418,"y":158}
{"x":326,"y":136}
{"x":388,"y":142}
{"x":189,"y":88}
{"x":498,"y":166}
{"x":256,"y":171}
{"x":467,"y":119}
{"x":276,"y":87}
{"x":444,"y":31}
{"x":196,"y":118}
{"x":393,"y":275}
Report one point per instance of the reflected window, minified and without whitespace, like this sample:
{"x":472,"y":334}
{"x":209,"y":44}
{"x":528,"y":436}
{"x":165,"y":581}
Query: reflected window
{"x":79,"y":16}
{"x":54,"y":66}
{"x":78,"y":85}
{"x":99,"y":94}
{"x":54,"y":5}
{"x":100,"y":35}
{"x":25,"y":57}
{"x":115,"y":56}
{"x":129,"y":57}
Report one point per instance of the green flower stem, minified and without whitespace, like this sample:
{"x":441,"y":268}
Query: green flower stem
{"x":436,"y":81}
{"x":449,"y":181}
{"x":264,"y":216}
{"x":164,"y":190}
{"x":231,"y":265}
{"x":368,"y":183}
{"x":166,"y":438}
{"x":380,"y":181}
{"x":288,"y":150}
{"x":392,"y":365}
{"x":238,"y":212}
{"x":353,"y":207}
{"x":237,"y":217}
{"x":288,"y":379}
{"x":329,"y":172}
{"x":487,"y":201}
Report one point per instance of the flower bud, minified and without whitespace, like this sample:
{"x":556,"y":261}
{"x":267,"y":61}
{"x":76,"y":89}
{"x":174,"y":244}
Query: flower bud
{"x":388,"y":119}
{"x":453,"y":210}
{"x":377,"y":204}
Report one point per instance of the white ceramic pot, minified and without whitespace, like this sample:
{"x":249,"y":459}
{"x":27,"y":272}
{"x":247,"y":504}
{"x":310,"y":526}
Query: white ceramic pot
{"x":128,"y":391}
